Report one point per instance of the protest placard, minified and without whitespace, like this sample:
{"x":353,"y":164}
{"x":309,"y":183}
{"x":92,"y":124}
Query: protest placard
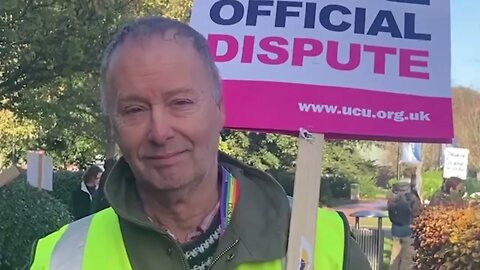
{"x":360,"y":69}
{"x":40,"y":170}
{"x":455,"y":163}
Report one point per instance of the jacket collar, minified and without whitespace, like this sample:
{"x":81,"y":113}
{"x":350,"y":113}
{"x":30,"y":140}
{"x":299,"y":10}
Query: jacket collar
{"x":83,"y":187}
{"x":259,"y":222}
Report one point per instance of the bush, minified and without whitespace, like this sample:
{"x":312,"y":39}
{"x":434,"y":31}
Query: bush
{"x":431,"y":182}
{"x":447,"y":238}
{"x":27,"y":214}
{"x":338,"y":186}
{"x":64,"y":182}
{"x":472,"y":186}
{"x":332,"y":186}
{"x":286,"y":180}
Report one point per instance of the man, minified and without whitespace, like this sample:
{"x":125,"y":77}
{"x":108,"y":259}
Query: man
{"x":83,"y":194}
{"x":403,"y":206}
{"x":451,"y":193}
{"x":176,"y":202}
{"x":99,"y":202}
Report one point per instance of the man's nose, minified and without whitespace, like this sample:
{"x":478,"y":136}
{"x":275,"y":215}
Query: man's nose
{"x":160,"y":129}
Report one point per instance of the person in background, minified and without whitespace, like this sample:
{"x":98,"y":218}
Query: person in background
{"x":450,"y":194}
{"x":99,"y":202}
{"x":83,"y":194}
{"x":404,"y":205}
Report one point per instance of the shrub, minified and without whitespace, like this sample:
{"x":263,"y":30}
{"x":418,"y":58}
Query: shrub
{"x":369,"y":188}
{"x":27,"y":214}
{"x":332,"y":186}
{"x":431,"y":182}
{"x":64,"y":182}
{"x":447,"y":238}
{"x":339,"y":186}
{"x":472,"y":186}
{"x":286,"y":180}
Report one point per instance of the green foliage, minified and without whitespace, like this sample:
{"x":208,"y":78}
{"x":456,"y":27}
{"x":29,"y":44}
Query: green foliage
{"x":472,"y":186}
{"x":431,"y":183}
{"x":27,"y":214}
{"x":49,"y":62}
{"x":50,"y":54}
{"x":64,"y":182}
{"x":177,"y":9}
{"x":16,"y":137}
{"x":369,"y":189}
{"x":268,"y":152}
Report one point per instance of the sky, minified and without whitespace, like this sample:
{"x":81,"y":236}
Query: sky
{"x":465,"y":20}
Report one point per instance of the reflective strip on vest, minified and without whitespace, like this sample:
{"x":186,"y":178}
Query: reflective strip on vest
{"x":96,"y":242}
{"x":69,"y":250}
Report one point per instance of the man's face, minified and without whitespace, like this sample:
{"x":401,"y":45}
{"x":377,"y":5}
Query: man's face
{"x":459,"y":189}
{"x":166,"y":122}
{"x":97,"y":178}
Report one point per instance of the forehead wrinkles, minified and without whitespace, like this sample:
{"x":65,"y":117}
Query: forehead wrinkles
{"x":144,"y":44}
{"x":151,"y":43}
{"x":120,"y":58}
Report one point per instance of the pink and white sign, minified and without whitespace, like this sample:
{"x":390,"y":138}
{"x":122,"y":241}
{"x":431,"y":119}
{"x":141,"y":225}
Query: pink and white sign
{"x":365,"y":69}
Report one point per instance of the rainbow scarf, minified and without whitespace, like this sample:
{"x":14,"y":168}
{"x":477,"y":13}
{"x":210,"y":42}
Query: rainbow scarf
{"x":229,"y":197}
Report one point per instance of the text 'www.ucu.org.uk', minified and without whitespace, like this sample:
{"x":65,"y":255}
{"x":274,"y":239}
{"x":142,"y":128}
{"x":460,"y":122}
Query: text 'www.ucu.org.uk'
{"x":397,"y":116}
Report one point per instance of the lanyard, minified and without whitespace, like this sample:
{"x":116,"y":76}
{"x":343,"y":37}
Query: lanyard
{"x":229,"y":197}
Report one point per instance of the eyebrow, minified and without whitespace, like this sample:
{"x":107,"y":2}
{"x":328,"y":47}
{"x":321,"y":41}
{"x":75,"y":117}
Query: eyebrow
{"x":168,"y":94}
{"x":176,"y":91}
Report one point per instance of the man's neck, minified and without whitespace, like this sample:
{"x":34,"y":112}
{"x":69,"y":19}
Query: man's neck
{"x":181,"y":211}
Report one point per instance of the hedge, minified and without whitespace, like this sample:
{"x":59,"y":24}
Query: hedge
{"x":64,"y":182}
{"x":447,"y":238}
{"x":26,"y":215}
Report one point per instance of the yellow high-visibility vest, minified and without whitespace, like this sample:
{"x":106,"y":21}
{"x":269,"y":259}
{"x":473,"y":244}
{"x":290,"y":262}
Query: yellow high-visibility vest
{"x":96,"y":242}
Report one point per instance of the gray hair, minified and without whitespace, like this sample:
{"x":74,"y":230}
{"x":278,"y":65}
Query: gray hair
{"x":146,"y":27}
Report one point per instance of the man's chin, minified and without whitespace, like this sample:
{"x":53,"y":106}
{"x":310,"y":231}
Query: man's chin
{"x":172,"y":180}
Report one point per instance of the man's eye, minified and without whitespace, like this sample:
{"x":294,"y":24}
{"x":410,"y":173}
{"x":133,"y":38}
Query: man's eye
{"x":181,"y":102}
{"x":133,"y":110}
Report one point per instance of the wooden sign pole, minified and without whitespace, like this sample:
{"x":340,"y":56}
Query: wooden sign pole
{"x":40,"y":170}
{"x":306,"y":194}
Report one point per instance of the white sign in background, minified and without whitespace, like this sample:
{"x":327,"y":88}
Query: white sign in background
{"x":456,"y":163}
{"x":40,"y":170}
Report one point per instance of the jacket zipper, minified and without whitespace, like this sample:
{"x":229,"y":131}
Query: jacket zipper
{"x":223,"y":253}
{"x":177,"y":247}
{"x":182,"y":256}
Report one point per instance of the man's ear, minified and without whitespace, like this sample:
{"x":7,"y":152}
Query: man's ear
{"x":221,"y":111}
{"x":112,"y":128}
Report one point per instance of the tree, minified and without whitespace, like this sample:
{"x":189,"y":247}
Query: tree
{"x":50,"y":54}
{"x":264,"y":151}
{"x":466,"y":119}
{"x":16,"y":137}
{"x":276,"y":154}
{"x":466,"y":112}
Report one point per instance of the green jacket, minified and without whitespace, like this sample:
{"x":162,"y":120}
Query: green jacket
{"x":258,"y":232}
